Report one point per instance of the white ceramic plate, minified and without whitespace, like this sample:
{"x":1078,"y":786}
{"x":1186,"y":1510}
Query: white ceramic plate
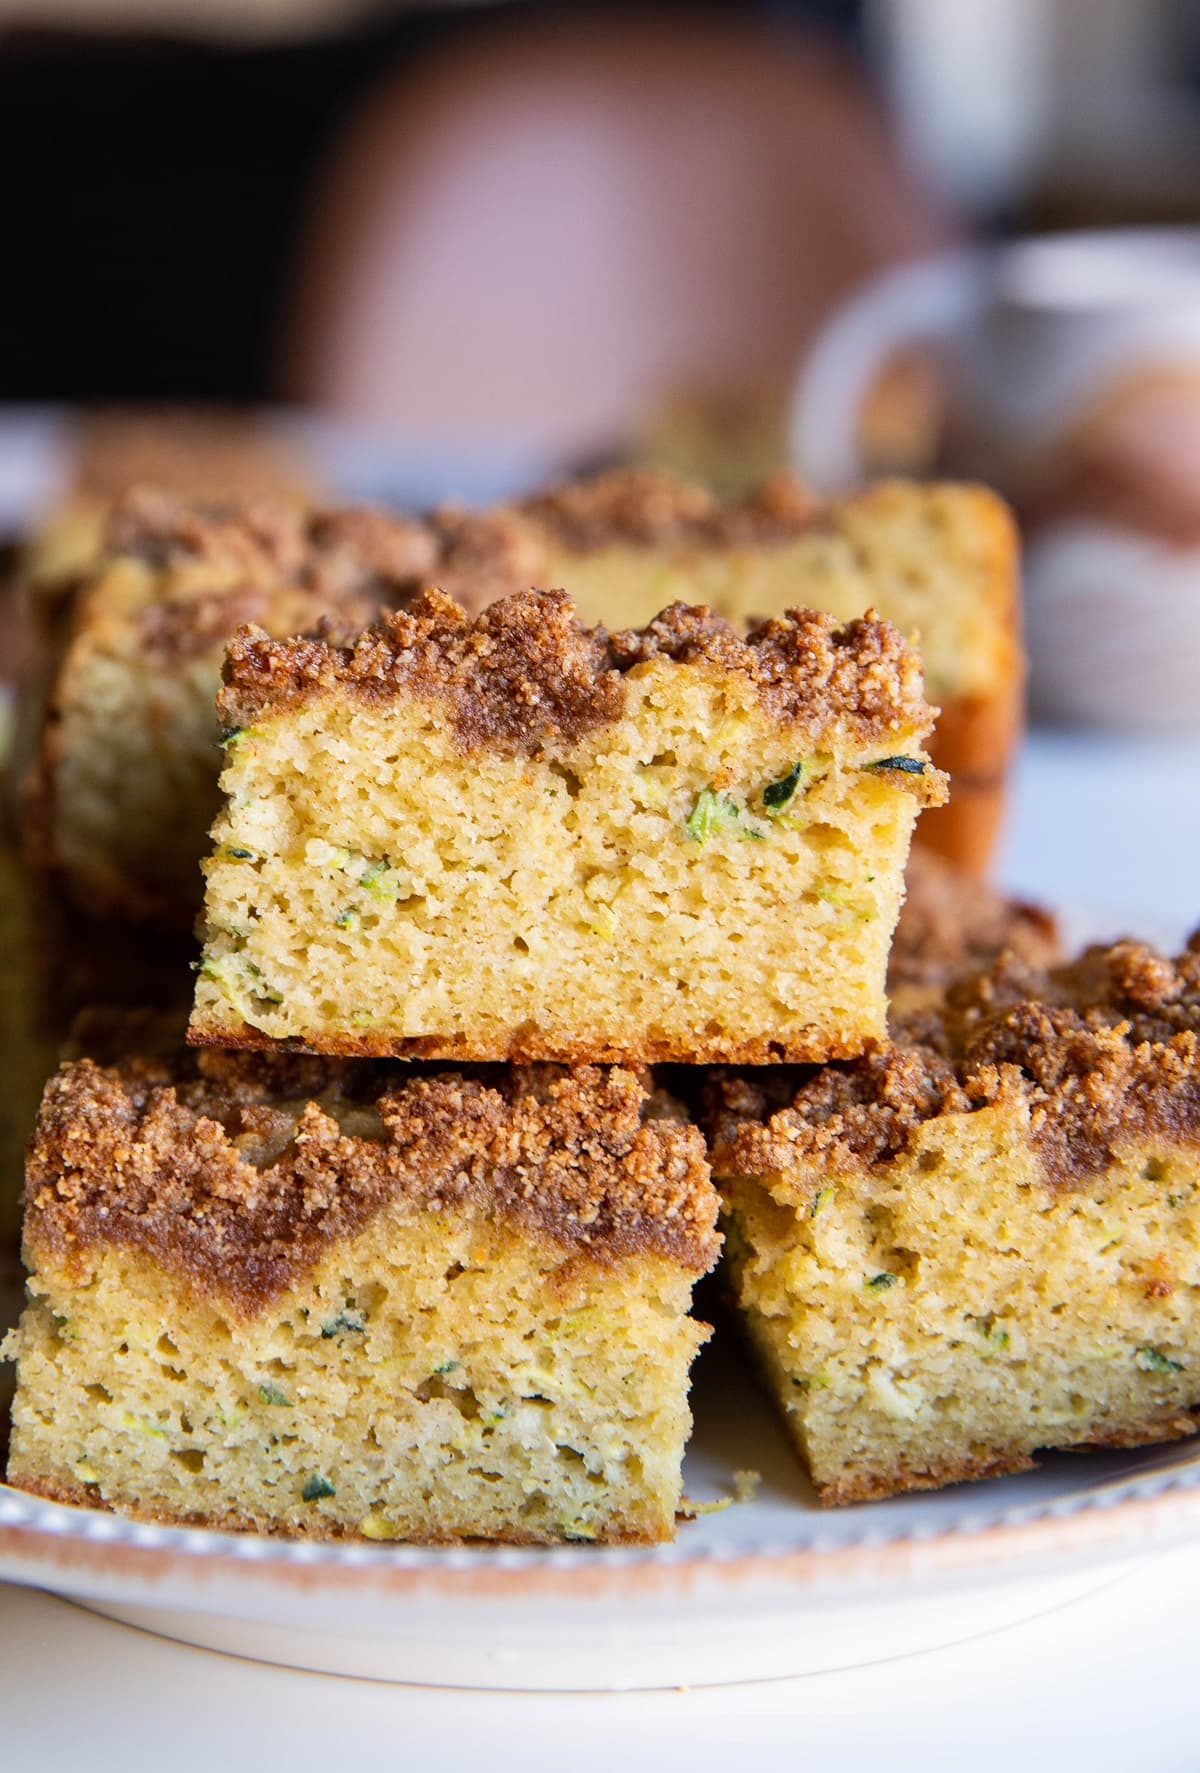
{"x":769,"y":1587}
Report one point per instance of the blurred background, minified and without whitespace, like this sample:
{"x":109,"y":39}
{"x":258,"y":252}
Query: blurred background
{"x":537,"y":220}
{"x":495,"y":243}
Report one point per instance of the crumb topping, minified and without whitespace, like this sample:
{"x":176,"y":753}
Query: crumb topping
{"x":161,"y":529}
{"x":481,"y":556}
{"x":1105,"y":1051}
{"x":809,"y":670}
{"x":951,"y":925}
{"x":648,"y":506}
{"x":639,"y":505}
{"x":225,"y":565}
{"x":525,"y":673}
{"x":238,"y":1173}
{"x":174,"y":629}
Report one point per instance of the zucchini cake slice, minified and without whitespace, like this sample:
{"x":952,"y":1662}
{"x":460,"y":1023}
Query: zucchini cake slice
{"x":330,"y":1300}
{"x":939,"y":560}
{"x":124,"y":786}
{"x":985,"y":1241}
{"x":516,"y":838}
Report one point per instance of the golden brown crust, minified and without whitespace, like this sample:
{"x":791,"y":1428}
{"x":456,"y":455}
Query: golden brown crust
{"x":317,"y":1527}
{"x":526,"y":1045}
{"x":975,"y":741}
{"x":238,"y":1174}
{"x":647,"y":507}
{"x":967,"y":829}
{"x":335,"y":554}
{"x":1105,"y":1053}
{"x":525,"y":673}
{"x":909,"y":1475}
{"x":977,"y":736}
{"x":906,"y":1476}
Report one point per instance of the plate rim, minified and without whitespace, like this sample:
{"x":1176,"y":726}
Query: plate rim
{"x":44,"y":1543}
{"x":1116,"y":1519}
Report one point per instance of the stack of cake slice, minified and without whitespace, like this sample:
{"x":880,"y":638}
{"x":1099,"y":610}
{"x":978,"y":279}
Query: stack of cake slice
{"x":404,"y":1246}
{"x":332,"y":1296}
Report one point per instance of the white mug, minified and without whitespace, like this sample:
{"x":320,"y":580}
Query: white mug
{"x":1072,"y":365}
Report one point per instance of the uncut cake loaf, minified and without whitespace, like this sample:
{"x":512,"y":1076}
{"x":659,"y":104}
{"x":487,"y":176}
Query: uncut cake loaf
{"x":984,"y":1241}
{"x":939,"y":560}
{"x":123,"y":787}
{"x":517,"y":838}
{"x":346,"y":1300}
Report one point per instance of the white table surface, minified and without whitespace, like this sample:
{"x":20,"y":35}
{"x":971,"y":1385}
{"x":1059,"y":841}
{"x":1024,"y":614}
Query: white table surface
{"x":1107,"y":821}
{"x":1101,"y":822}
{"x":1109,"y":1683}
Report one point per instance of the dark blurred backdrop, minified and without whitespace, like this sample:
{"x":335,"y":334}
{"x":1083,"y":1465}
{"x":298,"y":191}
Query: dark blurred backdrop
{"x":153,"y":191}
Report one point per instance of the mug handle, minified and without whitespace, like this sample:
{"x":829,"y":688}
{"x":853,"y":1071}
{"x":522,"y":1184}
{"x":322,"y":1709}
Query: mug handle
{"x":933,"y":300}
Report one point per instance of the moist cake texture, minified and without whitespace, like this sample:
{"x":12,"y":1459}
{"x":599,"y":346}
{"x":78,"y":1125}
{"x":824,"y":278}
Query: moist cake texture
{"x":343,"y":1300}
{"x":124,"y":787}
{"x":984,"y":1241}
{"x":938,"y":560}
{"x":516,"y":838}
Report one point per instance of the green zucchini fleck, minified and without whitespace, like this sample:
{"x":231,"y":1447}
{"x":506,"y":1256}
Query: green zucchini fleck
{"x":271,"y":1394}
{"x":879,"y":1283}
{"x":831,"y":895}
{"x":317,"y":1487}
{"x":235,"y":853}
{"x":818,"y":1201}
{"x":380,"y":881}
{"x":711,"y":813}
{"x":350,"y":919}
{"x":234,"y":974}
{"x":908,"y":766}
{"x":260,"y":988}
{"x":347,"y":1323}
{"x":1153,"y":1360}
{"x":776,"y":795}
